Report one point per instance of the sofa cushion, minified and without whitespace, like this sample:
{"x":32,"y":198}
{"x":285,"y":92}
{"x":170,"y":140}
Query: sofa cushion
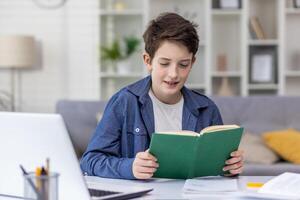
{"x":255,"y":150}
{"x":286,"y":143}
{"x":80,"y":120}
{"x":259,"y":114}
{"x":254,"y":169}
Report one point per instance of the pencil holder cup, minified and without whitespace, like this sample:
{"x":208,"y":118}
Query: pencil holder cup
{"x":44,"y":187}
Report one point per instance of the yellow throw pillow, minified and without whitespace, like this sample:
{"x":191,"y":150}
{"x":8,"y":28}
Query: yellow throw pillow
{"x":286,"y":143}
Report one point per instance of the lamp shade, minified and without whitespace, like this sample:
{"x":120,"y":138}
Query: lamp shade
{"x":17,"y":51}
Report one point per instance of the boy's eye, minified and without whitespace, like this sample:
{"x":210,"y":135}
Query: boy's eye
{"x":164,"y":64}
{"x":183,"y":65}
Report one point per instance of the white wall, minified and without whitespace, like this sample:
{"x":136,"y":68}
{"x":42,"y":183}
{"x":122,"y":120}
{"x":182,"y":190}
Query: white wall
{"x":68,"y":53}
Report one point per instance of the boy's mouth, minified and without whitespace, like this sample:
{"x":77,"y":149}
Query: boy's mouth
{"x":172,"y":83}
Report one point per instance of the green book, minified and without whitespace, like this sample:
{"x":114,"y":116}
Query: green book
{"x":187,"y":154}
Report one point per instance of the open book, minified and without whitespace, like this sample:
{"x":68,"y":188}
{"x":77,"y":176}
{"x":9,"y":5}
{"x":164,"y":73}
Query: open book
{"x":187,"y":154}
{"x":286,"y":184}
{"x":283,"y":186}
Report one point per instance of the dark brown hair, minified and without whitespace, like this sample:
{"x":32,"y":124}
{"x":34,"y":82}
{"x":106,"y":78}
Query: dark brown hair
{"x":171,"y":27}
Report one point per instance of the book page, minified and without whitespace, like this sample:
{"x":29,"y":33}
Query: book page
{"x":218,"y":128}
{"x":184,"y":132}
{"x":208,"y":129}
{"x":286,"y":184}
{"x":210,"y":184}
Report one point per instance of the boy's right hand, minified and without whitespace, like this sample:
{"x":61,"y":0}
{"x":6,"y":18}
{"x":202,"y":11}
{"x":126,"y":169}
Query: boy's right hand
{"x":144,"y":165}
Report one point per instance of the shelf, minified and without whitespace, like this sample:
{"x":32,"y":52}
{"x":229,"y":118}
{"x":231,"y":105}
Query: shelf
{"x":121,"y":12}
{"x":226,"y":12}
{"x":227,"y":74}
{"x":115,"y":75}
{"x":292,"y":74}
{"x":278,"y":20}
{"x":292,"y":11}
{"x":263,"y":86}
{"x":267,"y":42}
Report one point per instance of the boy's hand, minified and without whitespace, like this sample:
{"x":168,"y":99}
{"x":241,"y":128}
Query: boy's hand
{"x":144,"y":165}
{"x":235,"y":164}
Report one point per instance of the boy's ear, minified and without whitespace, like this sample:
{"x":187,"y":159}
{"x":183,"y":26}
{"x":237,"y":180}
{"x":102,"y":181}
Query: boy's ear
{"x":193,"y":60}
{"x":147,"y":61}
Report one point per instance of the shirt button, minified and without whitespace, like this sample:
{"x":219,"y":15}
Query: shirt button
{"x":137,"y":130}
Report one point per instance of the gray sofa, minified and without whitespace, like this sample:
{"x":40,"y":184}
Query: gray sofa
{"x":256,"y":114}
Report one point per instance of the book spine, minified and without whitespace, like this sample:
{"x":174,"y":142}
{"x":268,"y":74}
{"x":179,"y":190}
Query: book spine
{"x":192,"y":168}
{"x":257,"y":28}
{"x":252,"y":31}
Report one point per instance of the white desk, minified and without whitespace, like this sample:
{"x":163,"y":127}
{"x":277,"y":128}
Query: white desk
{"x":172,"y":189}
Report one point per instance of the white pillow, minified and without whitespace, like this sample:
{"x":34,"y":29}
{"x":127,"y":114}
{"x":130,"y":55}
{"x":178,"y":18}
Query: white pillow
{"x":255,"y":150}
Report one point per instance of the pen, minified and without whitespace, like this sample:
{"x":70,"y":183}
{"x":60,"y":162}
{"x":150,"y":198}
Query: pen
{"x":254,"y":184}
{"x":45,"y":183}
{"x":43,"y":172}
{"x":31,"y":183}
{"x":48,"y":166}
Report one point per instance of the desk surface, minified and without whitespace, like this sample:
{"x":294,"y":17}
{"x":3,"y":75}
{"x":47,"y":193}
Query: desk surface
{"x":172,"y":189}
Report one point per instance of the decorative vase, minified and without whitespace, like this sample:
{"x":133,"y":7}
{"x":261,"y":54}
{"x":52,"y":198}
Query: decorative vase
{"x":123,"y":67}
{"x":225,"y":89}
{"x":111,"y":67}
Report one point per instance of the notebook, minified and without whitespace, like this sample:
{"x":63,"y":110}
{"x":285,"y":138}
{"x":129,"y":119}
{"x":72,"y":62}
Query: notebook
{"x":28,"y":139}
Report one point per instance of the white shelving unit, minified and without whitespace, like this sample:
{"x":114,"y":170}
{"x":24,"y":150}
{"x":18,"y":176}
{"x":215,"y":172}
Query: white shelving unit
{"x":117,"y":20}
{"x":291,"y":41}
{"x":222,"y":32}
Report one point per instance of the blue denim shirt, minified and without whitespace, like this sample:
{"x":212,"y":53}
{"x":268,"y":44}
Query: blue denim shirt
{"x":128,"y":123}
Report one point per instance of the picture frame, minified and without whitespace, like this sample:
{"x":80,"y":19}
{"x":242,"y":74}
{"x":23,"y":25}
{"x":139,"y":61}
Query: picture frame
{"x":229,"y":4}
{"x":263,"y":66}
{"x":296,"y":3}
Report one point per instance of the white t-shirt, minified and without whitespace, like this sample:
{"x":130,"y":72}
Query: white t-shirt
{"x":167,"y":117}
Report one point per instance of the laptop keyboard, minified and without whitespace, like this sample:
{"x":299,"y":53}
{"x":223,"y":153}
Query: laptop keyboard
{"x":101,"y":193}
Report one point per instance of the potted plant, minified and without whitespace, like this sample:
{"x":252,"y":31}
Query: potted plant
{"x":118,"y":53}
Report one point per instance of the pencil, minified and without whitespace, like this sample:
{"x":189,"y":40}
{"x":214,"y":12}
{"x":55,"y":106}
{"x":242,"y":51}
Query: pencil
{"x":254,"y":184}
{"x":38,"y":173}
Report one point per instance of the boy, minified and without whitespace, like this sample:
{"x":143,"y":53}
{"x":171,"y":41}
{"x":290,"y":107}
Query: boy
{"x":158,"y":102}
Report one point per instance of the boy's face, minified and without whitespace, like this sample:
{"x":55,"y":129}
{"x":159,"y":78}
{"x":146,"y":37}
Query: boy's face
{"x":169,"y":70}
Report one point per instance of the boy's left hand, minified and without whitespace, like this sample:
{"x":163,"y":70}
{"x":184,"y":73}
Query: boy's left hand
{"x":235,"y":164}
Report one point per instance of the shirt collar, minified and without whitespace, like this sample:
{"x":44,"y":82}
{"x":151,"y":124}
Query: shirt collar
{"x":195,"y":101}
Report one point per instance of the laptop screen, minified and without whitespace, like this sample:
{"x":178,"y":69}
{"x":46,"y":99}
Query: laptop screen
{"x":29,"y":139}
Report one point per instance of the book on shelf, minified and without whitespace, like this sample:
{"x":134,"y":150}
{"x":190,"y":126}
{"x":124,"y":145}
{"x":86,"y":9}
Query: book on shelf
{"x":187,"y":154}
{"x":256,"y":29}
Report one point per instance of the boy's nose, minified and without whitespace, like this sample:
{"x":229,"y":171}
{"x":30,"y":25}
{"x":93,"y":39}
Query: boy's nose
{"x":173,"y":73}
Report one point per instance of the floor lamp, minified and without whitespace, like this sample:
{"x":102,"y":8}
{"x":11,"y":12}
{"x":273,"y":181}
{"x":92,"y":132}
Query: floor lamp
{"x":16,"y":52}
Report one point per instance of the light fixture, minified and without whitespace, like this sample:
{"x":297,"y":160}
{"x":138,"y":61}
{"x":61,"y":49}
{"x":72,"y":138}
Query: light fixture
{"x":16,"y":52}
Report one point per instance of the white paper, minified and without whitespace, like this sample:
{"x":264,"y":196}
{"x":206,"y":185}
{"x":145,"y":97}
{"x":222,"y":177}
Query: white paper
{"x":210,"y":184}
{"x":261,"y":68}
{"x":287,"y":184}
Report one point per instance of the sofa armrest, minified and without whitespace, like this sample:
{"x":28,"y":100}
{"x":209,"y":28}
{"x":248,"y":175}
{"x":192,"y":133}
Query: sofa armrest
{"x":80,"y":119}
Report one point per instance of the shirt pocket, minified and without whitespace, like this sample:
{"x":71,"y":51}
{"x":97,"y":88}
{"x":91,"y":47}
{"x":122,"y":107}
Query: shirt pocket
{"x":137,"y":140}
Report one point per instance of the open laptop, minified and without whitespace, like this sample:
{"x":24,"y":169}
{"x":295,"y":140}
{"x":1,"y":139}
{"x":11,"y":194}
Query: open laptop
{"x":28,"y":139}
